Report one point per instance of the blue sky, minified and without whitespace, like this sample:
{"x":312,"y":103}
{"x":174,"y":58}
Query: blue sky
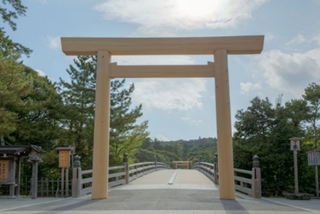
{"x":185,"y":108}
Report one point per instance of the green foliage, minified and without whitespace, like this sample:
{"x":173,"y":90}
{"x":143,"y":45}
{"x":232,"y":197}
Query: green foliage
{"x":7,"y":46}
{"x":79,"y":99}
{"x":312,"y":97}
{"x":14,"y":85}
{"x":17,"y":10}
{"x":40,"y":117}
{"x":78,"y":112}
{"x":125,"y":135}
{"x":264,"y":130}
{"x":178,"y":150}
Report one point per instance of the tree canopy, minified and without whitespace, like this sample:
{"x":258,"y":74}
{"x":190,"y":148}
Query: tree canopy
{"x":264,"y":129}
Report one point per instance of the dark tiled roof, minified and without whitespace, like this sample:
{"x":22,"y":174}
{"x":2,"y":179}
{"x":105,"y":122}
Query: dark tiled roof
{"x":14,"y":149}
{"x":23,"y":150}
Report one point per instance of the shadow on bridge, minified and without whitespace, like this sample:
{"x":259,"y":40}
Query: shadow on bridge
{"x":190,"y":192}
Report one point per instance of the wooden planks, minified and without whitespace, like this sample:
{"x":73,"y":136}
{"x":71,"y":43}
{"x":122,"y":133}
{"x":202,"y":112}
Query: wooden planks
{"x":162,"y":46}
{"x":161,"y":71}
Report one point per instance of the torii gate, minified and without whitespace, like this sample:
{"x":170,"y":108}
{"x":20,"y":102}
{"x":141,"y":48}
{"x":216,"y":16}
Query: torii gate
{"x":220,"y":47}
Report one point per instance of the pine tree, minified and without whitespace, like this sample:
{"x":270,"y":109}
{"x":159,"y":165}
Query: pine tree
{"x":79,"y":98}
{"x":39,"y":119}
{"x":125,"y":135}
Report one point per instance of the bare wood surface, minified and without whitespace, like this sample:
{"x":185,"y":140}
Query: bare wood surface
{"x":161,"y":71}
{"x":162,"y":46}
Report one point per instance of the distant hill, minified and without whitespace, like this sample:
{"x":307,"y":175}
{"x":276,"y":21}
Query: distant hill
{"x":168,"y":151}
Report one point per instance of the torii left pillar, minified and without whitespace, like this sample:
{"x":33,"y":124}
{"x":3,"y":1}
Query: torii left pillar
{"x":101,"y":127}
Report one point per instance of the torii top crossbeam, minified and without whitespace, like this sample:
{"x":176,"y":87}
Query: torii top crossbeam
{"x":163,"y":46}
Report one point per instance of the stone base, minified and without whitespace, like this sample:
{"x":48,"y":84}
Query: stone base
{"x":299,"y":196}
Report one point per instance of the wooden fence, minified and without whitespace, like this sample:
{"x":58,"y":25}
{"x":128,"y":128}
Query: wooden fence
{"x":246,"y":181}
{"x":118,"y":175}
{"x":82,"y":179}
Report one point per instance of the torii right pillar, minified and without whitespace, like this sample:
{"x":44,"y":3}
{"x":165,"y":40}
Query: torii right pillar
{"x":225,"y":150}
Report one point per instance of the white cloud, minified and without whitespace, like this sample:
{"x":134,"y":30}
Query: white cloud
{"x":192,"y":121}
{"x":41,"y":73}
{"x":290,"y":72}
{"x":246,"y":87}
{"x":167,"y":16}
{"x":170,"y":94}
{"x":166,"y":94}
{"x":269,"y":37}
{"x":296,"y":40}
{"x":317,"y":38}
{"x":54,"y":42}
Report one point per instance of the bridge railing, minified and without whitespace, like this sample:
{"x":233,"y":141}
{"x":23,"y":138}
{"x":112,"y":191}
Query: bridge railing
{"x":246,"y":181}
{"x":118,"y":175}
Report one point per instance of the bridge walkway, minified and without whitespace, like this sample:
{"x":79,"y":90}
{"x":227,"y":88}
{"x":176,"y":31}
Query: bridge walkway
{"x":191,"y":192}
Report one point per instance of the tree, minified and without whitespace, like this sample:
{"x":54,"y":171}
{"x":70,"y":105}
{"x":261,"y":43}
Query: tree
{"x":312,"y":97}
{"x":14,"y":85}
{"x":13,"y":82}
{"x":39,"y":121}
{"x":178,"y":150}
{"x":7,"y":46}
{"x":264,"y":130}
{"x":79,"y":97}
{"x":125,"y":135}
{"x":9,"y":15}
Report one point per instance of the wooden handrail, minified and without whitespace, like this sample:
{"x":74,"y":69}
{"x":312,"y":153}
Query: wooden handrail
{"x":250,"y":186}
{"x":82,"y":186}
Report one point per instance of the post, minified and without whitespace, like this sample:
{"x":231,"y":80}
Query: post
{"x":216,"y":168}
{"x":200,"y":160}
{"x":34,"y":183}
{"x":226,"y":173}
{"x":126,"y":167}
{"x":155,"y":162}
{"x":76,"y":177}
{"x":67,"y":182}
{"x":101,"y":128}
{"x":62,"y":181}
{"x":256,"y":177}
{"x":317,"y":180}
{"x":13,"y":177}
{"x":19,"y":177}
{"x":296,"y":187}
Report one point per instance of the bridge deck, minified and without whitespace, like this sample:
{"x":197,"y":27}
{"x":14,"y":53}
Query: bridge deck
{"x":185,"y":179}
{"x":191,"y":192}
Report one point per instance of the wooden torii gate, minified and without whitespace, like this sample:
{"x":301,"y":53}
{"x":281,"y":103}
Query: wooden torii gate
{"x":182,"y":163}
{"x":219,"y":47}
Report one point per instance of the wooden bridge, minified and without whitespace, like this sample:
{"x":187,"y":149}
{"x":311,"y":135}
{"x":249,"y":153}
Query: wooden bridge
{"x":160,"y":190}
{"x":159,"y":175}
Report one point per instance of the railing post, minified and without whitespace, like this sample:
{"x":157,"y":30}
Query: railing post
{"x":256,"y":177}
{"x":216,"y":168}
{"x":76,"y":177}
{"x":200,"y":160}
{"x":126,"y":167}
{"x":155,"y":162}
